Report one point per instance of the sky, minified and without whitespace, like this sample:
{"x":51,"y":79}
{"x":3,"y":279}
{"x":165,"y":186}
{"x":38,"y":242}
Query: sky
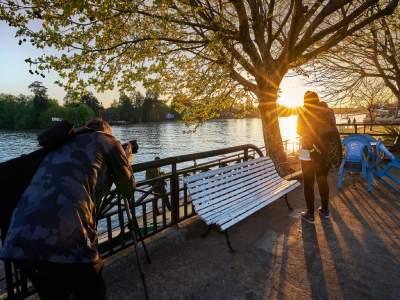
{"x":15,"y":77}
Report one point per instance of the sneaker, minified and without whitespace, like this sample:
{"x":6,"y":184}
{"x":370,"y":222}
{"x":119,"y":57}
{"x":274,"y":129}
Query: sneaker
{"x":324,"y":213}
{"x":309,"y":218}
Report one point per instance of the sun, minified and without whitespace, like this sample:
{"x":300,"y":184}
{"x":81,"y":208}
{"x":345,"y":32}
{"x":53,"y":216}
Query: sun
{"x":291,"y":91}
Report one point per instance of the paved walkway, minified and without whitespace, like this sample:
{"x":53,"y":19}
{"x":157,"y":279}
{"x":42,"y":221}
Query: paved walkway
{"x":354,"y":255}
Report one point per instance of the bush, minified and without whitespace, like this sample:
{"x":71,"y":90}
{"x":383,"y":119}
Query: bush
{"x":8,"y":108}
{"x":54,"y":111}
{"x":25,"y":117}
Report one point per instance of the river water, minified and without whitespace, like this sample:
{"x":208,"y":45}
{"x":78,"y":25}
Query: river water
{"x":169,"y":138}
{"x":157,"y":139}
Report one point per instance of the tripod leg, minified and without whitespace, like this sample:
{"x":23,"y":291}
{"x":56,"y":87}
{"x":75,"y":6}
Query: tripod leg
{"x":132,"y":228}
{"x":136,"y":225}
{"x":138,"y":263}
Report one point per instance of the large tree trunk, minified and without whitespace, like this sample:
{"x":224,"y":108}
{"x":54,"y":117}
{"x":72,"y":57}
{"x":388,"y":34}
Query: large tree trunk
{"x":271,"y":130}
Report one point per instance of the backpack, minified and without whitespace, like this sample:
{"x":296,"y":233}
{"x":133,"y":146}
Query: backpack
{"x":329,"y":138}
{"x":333,"y":149}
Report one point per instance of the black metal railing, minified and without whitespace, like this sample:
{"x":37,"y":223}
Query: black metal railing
{"x":373,"y":129}
{"x":113,"y":235}
{"x":112,"y":219}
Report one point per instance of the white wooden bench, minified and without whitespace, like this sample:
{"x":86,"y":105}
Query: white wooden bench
{"x":225,"y":196}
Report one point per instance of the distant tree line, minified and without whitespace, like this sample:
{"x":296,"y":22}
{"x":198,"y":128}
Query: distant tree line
{"x":37,"y":111}
{"x":139,"y":108}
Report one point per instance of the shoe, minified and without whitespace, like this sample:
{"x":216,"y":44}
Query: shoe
{"x":306,"y":216}
{"x":324,"y":213}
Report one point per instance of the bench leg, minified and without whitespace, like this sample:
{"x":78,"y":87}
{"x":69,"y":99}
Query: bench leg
{"x":287,"y":202}
{"x":228,"y":241}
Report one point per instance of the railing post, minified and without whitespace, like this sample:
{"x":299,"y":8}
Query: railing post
{"x":174,"y":195}
{"x":246,"y":154}
{"x":9,"y":279}
{"x":355,"y":128}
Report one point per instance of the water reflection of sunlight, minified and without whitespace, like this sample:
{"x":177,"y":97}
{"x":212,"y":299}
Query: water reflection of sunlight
{"x":288,"y":127}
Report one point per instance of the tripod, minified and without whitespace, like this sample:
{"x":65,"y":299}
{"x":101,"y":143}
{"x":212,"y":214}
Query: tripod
{"x":135,"y":231}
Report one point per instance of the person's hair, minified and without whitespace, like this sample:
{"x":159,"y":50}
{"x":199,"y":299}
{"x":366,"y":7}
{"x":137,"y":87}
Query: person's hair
{"x":99,"y":124}
{"x":311,"y":97}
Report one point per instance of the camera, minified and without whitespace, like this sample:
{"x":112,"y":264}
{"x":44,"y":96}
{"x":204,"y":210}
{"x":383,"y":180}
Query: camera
{"x":134,"y":146}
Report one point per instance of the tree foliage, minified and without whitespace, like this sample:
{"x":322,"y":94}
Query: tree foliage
{"x":40,"y":98}
{"x":372,"y":56}
{"x":91,"y":101}
{"x":139,"y":108}
{"x":202,"y":54}
{"x":371,"y":96}
{"x":22,"y":112}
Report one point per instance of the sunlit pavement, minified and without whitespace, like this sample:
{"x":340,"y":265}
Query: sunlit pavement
{"x":353,"y":255}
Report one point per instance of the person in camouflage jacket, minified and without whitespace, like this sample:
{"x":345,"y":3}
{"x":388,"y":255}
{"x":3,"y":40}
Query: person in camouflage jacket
{"x":53,"y":230}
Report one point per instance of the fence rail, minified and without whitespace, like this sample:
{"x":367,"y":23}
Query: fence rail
{"x":373,"y":129}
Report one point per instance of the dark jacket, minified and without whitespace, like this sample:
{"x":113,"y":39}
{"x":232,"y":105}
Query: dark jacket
{"x":55,"y":218}
{"x":315,"y":124}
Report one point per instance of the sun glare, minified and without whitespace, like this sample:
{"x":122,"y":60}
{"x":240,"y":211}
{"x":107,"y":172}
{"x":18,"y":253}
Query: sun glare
{"x":291,"y":91}
{"x":288,"y":127}
{"x":291,"y":94}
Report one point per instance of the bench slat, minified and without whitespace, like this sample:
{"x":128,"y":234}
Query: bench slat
{"x":248,"y":199}
{"x":252,"y":202}
{"x":208,"y":195}
{"x":262,"y":205}
{"x":199,"y":186}
{"x":211,"y":173}
{"x":235,"y":195}
{"x":237,"y":199}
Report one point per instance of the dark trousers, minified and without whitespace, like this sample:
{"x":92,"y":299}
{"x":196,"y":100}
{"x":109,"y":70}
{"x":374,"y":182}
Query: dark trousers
{"x":315,"y":170}
{"x":57,"y":281}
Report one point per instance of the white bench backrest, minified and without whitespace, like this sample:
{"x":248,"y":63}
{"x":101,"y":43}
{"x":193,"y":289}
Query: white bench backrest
{"x":227,"y":195}
{"x":212,"y":185}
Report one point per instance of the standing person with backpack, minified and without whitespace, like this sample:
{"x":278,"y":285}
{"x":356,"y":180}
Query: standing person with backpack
{"x":320,"y":150}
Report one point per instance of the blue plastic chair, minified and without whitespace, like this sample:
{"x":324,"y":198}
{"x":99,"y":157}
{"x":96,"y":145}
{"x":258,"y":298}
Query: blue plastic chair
{"x":358,"y":158}
{"x":384,"y":170}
